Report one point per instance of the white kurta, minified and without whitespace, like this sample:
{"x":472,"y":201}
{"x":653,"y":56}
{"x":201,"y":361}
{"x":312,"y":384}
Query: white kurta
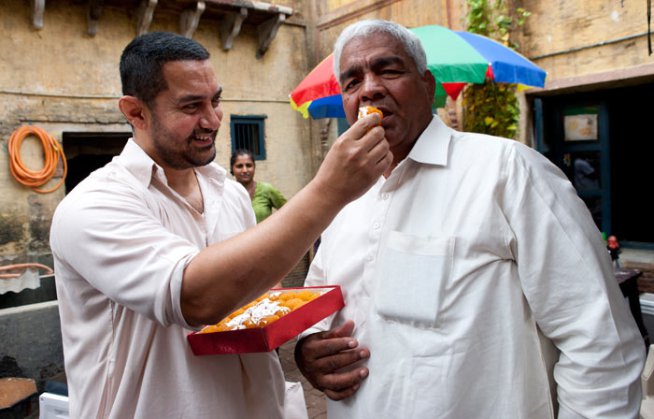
{"x":449,"y":269}
{"x":121,"y":240}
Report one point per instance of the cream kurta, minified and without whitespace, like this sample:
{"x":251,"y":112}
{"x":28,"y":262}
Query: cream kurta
{"x":448,"y":269}
{"x":121,"y":240}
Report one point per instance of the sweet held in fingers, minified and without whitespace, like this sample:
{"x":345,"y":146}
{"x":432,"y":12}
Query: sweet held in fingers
{"x":369,"y":110}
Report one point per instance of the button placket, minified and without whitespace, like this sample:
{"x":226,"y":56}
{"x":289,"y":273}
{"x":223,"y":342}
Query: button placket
{"x":375,"y":230}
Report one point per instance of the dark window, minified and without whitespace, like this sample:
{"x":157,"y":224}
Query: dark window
{"x":248,"y":133}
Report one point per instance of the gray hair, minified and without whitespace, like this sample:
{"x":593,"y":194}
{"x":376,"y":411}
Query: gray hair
{"x":365,"y":28}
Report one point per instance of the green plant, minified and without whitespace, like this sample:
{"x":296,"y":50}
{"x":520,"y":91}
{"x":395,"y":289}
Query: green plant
{"x":492,"y":108}
{"x":495,"y":19}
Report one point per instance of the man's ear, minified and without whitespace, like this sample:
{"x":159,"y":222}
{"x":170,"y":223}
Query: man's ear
{"x":431,"y":83}
{"x":134,"y":110}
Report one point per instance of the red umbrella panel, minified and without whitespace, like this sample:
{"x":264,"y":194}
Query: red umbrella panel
{"x":319,"y":85}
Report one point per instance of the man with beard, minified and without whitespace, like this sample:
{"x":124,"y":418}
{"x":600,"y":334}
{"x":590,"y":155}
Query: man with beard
{"x":159,"y":242}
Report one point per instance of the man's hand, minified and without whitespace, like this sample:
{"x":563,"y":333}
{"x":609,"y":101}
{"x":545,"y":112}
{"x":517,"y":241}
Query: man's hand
{"x":355,"y":161}
{"x":323,"y":359}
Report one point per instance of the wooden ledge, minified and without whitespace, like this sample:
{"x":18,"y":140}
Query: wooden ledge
{"x":14,"y":390}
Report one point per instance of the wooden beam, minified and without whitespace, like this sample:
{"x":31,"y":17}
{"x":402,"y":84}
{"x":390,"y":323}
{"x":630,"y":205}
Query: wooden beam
{"x":267,"y":32}
{"x":230,"y":26}
{"x":38,"y":10}
{"x":145,"y":12}
{"x":252,"y":5}
{"x":93,"y":16}
{"x":190,"y":18}
{"x":267,"y":7}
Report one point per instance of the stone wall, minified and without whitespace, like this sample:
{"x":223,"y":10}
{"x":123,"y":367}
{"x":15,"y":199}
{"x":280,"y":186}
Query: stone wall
{"x":575,"y":38}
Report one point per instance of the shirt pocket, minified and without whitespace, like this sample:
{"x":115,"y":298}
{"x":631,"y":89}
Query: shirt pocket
{"x":411,"y":277}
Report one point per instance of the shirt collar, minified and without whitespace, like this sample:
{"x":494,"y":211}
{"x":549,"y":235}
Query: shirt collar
{"x":214,"y":173}
{"x":143,"y":168}
{"x":433,"y":144}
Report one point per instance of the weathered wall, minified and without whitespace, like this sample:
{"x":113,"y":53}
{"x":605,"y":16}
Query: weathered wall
{"x":63,"y":80}
{"x":574,"y":38}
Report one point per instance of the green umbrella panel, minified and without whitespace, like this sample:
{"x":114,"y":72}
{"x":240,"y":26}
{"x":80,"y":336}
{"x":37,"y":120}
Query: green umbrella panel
{"x":450,"y":59}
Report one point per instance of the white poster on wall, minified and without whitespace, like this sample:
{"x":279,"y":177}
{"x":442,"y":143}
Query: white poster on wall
{"x":580,"y":127}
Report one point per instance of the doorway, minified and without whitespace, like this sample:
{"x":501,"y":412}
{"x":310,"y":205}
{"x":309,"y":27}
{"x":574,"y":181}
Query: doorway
{"x":603,"y":141}
{"x":88,"y":151}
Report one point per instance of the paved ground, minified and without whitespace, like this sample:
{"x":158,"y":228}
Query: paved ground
{"x":316,"y":406}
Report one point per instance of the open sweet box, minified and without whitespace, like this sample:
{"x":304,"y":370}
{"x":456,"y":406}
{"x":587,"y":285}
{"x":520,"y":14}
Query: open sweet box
{"x":271,"y":336}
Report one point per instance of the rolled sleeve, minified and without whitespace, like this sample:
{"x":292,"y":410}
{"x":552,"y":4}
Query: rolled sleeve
{"x":130,"y":256}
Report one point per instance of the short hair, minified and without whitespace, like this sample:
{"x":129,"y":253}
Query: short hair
{"x":142,"y":61}
{"x":364,"y":28}
{"x":240,"y":152}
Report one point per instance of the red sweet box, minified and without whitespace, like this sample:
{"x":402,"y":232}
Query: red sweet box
{"x":266,"y":339}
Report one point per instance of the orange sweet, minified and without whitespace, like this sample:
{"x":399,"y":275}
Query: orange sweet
{"x":211,"y":329}
{"x":295,"y":303}
{"x":367,"y":110}
{"x":268,"y":319}
{"x":277,"y":304}
{"x":306,"y":295}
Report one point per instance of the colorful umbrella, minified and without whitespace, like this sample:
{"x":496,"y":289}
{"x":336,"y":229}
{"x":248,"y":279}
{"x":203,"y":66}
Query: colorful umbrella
{"x":454,"y":57}
{"x":319,"y":91}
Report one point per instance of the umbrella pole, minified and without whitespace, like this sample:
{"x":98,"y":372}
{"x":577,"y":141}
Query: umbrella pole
{"x":324,"y":138}
{"x":451,"y":110}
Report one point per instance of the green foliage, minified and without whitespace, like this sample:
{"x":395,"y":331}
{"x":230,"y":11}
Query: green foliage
{"x":492,"y":108}
{"x":494,"y":19}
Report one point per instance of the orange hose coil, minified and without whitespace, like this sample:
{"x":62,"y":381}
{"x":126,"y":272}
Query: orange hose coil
{"x":48,"y":270}
{"x":52,"y":152}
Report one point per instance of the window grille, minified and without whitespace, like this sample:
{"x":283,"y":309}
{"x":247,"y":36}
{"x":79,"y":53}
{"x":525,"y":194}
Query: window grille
{"x":248,"y":133}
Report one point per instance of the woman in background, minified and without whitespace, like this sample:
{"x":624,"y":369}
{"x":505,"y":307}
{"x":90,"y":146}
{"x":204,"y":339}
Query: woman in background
{"x":263,"y":195}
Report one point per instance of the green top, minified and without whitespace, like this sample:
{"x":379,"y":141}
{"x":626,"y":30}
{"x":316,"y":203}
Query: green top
{"x":266,"y":197}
